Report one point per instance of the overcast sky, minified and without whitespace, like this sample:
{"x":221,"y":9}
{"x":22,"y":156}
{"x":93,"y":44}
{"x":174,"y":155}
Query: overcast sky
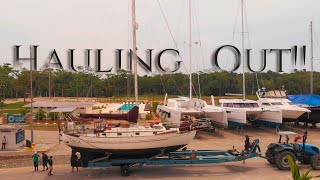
{"x":105,"y":24}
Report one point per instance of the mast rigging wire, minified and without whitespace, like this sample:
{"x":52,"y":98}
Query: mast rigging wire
{"x":233,"y":34}
{"x":171,"y":34}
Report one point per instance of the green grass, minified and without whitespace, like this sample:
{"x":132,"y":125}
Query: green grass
{"x":43,"y":127}
{"x":11,"y":111}
{"x":16,"y":105}
{"x":13,"y":108}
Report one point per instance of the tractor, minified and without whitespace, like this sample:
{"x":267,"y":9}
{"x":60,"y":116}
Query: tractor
{"x":277,"y":153}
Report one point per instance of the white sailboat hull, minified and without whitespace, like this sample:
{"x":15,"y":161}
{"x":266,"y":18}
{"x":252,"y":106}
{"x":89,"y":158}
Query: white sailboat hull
{"x":270,"y":117}
{"x":218,"y":117}
{"x":173,"y":115}
{"x":125,"y":143}
{"x":91,"y":147}
{"x":263,"y":117}
{"x":237,"y":117}
{"x":241,"y":117}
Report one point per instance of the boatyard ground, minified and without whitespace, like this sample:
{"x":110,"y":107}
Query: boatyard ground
{"x":18,"y":165}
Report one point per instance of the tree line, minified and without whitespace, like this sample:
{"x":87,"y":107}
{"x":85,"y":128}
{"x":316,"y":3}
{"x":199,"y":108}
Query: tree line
{"x":85,"y":83}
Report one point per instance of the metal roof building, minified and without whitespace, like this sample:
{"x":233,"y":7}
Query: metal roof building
{"x":60,"y":104}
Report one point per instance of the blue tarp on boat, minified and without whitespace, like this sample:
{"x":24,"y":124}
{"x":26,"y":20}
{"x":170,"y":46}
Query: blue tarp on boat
{"x":308,"y":99}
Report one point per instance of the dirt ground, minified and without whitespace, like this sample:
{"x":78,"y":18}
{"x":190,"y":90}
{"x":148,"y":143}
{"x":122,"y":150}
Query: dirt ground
{"x":18,"y":167}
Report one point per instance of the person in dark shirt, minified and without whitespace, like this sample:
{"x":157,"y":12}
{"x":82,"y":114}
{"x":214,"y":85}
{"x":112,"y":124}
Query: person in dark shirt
{"x":74,"y":161}
{"x":247,"y":144}
{"x":45,"y":162}
{"x":50,"y":162}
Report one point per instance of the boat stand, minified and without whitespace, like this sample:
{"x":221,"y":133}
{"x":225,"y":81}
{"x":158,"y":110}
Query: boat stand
{"x":277,"y":127}
{"x":239,"y":129}
{"x":184,"y":157}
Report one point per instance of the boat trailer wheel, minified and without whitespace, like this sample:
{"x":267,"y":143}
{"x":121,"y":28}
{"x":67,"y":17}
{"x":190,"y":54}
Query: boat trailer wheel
{"x":125,"y":170}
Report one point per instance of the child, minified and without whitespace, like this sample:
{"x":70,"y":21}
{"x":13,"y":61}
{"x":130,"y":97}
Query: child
{"x":50,"y":162}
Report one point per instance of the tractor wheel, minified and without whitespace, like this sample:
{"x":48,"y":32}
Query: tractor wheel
{"x":269,"y":156}
{"x":282,"y":161}
{"x":315,"y":162}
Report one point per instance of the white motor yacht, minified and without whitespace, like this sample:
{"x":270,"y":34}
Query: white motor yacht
{"x":277,"y":100}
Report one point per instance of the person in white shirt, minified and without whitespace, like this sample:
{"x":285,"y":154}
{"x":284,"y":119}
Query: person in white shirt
{"x":4,"y":142}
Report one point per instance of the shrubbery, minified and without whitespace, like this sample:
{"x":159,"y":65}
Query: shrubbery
{"x":53,"y":115}
{"x":40,"y":114}
{"x":23,"y":111}
{"x":149,"y":116}
{"x":154,"y":106}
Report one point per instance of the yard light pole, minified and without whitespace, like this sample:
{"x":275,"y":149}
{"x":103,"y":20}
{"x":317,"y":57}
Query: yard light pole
{"x":49,"y":69}
{"x":31,"y":97}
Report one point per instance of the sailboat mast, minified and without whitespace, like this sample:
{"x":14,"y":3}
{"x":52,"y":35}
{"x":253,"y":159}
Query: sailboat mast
{"x":134,"y":41}
{"x":199,"y":86}
{"x":190,"y":64}
{"x":243,"y":56}
{"x":311,"y":69}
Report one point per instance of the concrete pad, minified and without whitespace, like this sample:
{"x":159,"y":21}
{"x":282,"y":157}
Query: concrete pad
{"x":256,"y":169}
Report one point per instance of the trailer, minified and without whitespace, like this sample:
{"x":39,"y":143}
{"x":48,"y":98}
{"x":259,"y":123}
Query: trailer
{"x":181,"y":157}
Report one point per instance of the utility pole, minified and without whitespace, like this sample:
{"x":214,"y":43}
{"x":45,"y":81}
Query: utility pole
{"x":49,"y":69}
{"x":31,"y":97}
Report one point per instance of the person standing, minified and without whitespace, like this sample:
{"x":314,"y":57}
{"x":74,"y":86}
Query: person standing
{"x":44,"y":162}
{"x":247,"y":144}
{"x":74,"y":161}
{"x":4,"y":142}
{"x":50,"y":162}
{"x":35,"y":161}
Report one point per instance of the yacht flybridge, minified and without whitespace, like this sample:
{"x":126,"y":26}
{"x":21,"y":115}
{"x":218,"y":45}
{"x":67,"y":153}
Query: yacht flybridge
{"x":278,"y":99}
